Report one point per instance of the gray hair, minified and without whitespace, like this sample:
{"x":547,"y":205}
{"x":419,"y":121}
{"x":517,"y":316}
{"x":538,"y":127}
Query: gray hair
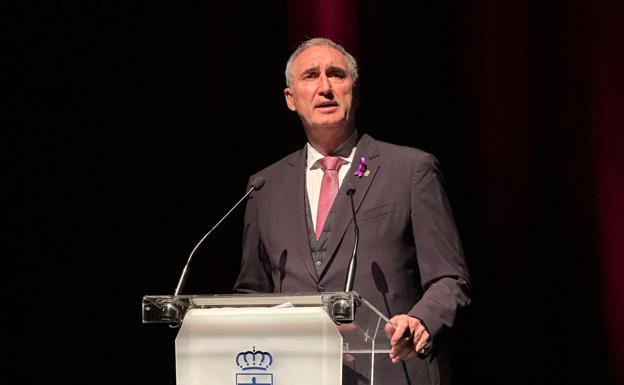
{"x":320,"y":41}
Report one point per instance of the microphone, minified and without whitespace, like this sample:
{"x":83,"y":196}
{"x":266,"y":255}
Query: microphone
{"x":353,"y":261}
{"x":342,"y":307}
{"x":256,"y":184}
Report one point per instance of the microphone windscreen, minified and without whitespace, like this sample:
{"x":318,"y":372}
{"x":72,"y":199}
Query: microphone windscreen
{"x":257,"y":183}
{"x":350,"y":190}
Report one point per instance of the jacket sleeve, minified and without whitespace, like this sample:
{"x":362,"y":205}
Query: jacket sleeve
{"x":443,"y":270}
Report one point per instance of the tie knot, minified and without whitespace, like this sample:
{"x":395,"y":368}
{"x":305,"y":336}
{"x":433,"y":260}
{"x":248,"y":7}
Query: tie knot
{"x":330,"y":162}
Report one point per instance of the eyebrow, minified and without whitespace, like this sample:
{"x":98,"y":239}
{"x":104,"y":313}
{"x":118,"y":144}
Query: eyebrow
{"x":328,"y":69}
{"x":336,"y":68}
{"x":310,"y":70}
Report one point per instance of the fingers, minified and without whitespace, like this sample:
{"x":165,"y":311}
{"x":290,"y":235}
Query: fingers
{"x":397,"y":328}
{"x":403,"y":348}
{"x":402,"y":351}
{"x":389,"y":329}
{"x":397,"y":336}
{"x":421,"y":341}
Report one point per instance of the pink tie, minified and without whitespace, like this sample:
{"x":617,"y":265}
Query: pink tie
{"x":329,"y":190}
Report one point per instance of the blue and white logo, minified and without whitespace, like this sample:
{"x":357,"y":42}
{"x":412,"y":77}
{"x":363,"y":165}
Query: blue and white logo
{"x":255,"y":365}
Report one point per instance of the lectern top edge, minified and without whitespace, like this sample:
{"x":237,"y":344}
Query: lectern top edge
{"x":340,"y":306}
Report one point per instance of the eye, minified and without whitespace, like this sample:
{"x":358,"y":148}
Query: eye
{"x":309,"y":75}
{"x":336,"y":73}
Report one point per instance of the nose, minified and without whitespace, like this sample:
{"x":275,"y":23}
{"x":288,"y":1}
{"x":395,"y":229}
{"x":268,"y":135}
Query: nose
{"x":325,"y":87}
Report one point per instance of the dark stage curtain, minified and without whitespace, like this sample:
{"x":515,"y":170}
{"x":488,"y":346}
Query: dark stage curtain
{"x":131,"y":127}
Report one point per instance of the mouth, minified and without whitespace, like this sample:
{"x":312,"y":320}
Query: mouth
{"x":326,"y":105}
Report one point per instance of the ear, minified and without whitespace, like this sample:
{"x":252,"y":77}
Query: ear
{"x":289,"y":99}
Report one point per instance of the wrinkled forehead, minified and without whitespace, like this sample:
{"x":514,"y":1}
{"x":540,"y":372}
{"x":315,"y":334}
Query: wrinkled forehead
{"x":319,"y":57}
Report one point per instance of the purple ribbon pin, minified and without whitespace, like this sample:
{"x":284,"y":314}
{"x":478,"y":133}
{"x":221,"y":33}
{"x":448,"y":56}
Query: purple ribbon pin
{"x":361,"y":167}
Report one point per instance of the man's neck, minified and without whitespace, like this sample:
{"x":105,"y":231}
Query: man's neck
{"x":327,"y":141}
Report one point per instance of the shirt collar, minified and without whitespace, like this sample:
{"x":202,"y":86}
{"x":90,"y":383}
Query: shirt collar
{"x":345,"y":151}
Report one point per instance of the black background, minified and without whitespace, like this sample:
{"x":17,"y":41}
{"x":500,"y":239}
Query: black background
{"x":132,"y":127}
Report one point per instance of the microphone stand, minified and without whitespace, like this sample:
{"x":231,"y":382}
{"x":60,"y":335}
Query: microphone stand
{"x":343,"y":307}
{"x":185,"y":271}
{"x":175,"y":308}
{"x":353,"y":261}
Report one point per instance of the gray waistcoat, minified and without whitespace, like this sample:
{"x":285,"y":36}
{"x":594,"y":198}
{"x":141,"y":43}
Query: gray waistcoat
{"x":319,"y":247}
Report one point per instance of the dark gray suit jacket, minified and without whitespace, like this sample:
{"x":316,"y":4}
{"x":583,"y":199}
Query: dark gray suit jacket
{"x":410,"y":259}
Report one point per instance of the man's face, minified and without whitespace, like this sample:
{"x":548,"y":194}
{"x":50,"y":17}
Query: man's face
{"x":321,"y":90}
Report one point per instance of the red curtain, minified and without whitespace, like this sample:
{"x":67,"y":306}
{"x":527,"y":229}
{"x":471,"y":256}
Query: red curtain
{"x":606,"y":76}
{"x":332,"y":19}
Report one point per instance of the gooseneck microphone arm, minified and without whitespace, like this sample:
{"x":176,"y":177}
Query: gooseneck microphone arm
{"x":343,"y":306}
{"x":256,"y":184}
{"x":353,"y":261}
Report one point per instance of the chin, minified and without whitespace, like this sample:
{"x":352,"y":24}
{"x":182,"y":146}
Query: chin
{"x":330,"y":125}
{"x":331,"y":122}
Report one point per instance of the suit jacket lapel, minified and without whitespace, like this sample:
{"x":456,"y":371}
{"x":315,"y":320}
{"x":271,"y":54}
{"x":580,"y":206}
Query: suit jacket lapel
{"x":296,"y":215}
{"x":366,"y":148}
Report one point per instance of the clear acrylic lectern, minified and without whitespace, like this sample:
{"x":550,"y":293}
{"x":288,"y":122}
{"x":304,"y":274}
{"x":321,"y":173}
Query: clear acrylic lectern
{"x":266,"y":339}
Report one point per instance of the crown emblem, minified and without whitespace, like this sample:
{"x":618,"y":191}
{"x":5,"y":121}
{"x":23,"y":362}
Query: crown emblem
{"x":254,"y":360}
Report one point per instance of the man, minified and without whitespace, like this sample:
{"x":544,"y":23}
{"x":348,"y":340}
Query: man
{"x":296,"y":236}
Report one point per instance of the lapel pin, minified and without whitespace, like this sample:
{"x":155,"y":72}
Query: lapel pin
{"x":362,"y":170}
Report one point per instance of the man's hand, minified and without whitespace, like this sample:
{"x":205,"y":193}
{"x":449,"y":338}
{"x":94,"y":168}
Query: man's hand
{"x":403,"y":347}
